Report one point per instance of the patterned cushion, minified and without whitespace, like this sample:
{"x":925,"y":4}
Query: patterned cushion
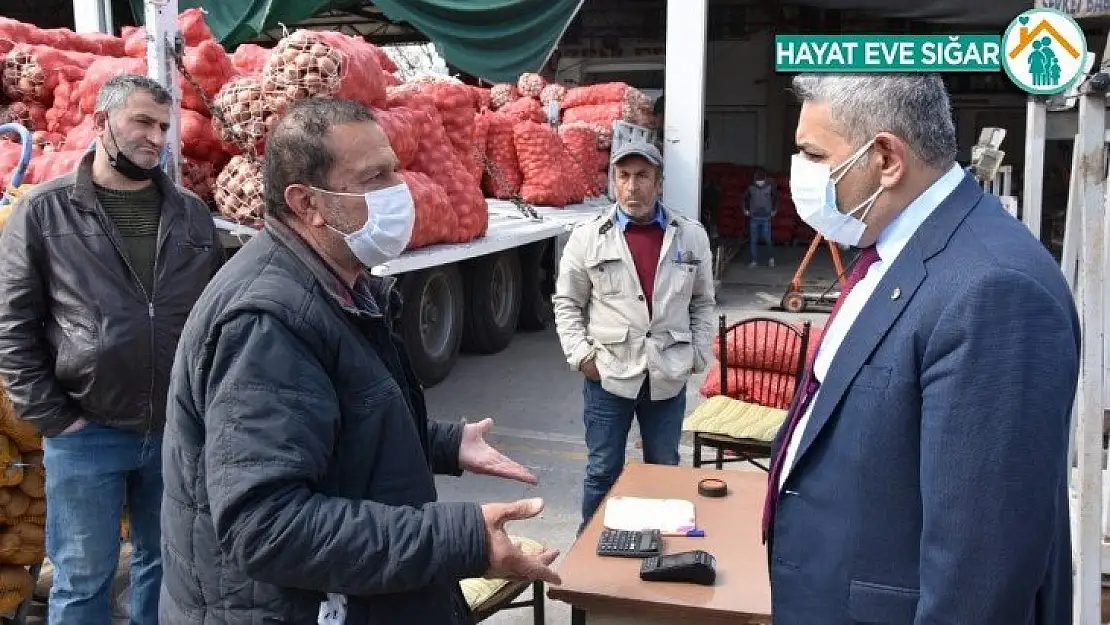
{"x":735,"y":418}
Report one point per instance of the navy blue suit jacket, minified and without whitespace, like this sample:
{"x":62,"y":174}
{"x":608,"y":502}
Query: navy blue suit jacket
{"x":930,"y":486}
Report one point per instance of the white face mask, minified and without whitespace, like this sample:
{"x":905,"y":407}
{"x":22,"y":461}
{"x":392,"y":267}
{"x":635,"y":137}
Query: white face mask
{"x":389,"y":220}
{"x":813,"y":189}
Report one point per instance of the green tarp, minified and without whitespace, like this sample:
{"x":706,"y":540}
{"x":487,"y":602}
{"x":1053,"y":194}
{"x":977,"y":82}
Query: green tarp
{"x":493,"y":39}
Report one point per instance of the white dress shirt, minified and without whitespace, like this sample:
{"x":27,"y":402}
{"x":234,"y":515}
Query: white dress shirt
{"x":889,"y":244}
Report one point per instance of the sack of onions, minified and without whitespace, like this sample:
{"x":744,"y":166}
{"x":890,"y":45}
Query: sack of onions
{"x":239,"y":190}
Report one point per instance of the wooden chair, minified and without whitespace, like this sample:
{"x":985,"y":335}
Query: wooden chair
{"x":487,"y":597}
{"x":774,"y":356}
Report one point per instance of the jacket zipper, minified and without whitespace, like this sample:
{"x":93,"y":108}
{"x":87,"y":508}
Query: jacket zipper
{"x":149,"y":303}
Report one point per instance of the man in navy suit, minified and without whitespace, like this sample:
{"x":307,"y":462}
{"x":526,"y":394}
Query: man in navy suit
{"x":921,"y":476}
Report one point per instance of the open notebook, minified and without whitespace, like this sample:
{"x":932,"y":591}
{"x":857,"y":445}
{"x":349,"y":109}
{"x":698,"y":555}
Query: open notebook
{"x":669,"y":516}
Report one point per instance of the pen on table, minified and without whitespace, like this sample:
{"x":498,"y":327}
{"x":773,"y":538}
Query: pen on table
{"x":695,"y":533}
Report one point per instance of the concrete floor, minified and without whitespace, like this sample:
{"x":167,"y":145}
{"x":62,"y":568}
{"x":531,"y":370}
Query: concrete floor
{"x":535,"y":401}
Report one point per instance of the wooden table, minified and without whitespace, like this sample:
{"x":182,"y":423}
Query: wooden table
{"x":609,"y":591}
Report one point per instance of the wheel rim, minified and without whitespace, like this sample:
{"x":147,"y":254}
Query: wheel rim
{"x":437,"y":317}
{"x":502,"y":293}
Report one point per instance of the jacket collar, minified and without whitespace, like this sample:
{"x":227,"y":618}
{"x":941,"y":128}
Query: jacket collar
{"x":663,"y":217}
{"x":83,"y":193}
{"x":879,"y":314}
{"x":380,"y":288}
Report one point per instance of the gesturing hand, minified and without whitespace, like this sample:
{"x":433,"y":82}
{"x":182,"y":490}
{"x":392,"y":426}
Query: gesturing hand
{"x":476,"y":456}
{"x":508,"y":561}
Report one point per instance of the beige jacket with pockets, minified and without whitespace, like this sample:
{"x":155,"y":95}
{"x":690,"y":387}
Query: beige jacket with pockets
{"x":600,"y":309}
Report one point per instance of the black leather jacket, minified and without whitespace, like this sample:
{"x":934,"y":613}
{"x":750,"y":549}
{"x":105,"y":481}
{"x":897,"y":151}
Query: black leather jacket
{"x":79,"y":336}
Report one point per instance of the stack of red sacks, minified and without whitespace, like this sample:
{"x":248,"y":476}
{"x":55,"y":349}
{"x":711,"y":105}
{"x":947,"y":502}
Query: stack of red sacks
{"x":762,"y":363}
{"x":732,"y":181}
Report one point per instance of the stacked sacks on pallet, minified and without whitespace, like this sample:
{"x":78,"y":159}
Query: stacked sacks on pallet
{"x":733,"y":181}
{"x":22,"y":507}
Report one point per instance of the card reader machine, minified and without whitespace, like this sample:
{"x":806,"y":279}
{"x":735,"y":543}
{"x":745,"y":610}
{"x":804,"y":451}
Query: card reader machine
{"x":698,"y":567}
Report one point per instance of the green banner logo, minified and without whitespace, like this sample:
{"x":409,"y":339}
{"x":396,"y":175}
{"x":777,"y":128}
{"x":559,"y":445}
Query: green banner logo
{"x":888,"y":53}
{"x":1045,"y":51}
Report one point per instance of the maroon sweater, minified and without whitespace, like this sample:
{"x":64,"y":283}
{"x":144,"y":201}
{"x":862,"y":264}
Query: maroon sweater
{"x":645,"y":243}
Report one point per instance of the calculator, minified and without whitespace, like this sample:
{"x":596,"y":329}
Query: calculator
{"x":630,"y":544}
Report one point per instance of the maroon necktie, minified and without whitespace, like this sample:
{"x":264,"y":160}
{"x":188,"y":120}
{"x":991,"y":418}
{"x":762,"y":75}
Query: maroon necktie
{"x":868,"y":256}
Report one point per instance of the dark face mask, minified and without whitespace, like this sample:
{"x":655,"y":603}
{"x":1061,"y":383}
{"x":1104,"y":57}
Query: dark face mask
{"x":124,"y":165}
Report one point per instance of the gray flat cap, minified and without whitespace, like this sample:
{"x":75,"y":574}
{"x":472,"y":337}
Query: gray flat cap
{"x":638,"y":148}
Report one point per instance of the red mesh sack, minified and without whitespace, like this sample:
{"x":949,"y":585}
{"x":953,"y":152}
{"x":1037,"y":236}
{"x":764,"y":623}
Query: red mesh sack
{"x":199,"y":140}
{"x":551,"y":177}
{"x":211,"y":67}
{"x":436,"y":222}
{"x":190,"y":22}
{"x":761,"y":345}
{"x":238,"y":192}
{"x":607,"y":93}
{"x":320,"y":63}
{"x":66,"y":113}
{"x":530,"y":85}
{"x":48,"y":166}
{"x":482,"y":98}
{"x":403,"y":127}
{"x":101,"y":71}
{"x":502,"y":94}
{"x":599,"y":114}
{"x":525,"y":109}
{"x":436,"y":157}
{"x":82,"y":136}
{"x":249,"y":58}
{"x":581,"y":141}
{"x":455,"y":103}
{"x":384,"y":61}
{"x":32,"y":72}
{"x":60,"y":38}
{"x":553,"y":93}
{"x":764,"y":388}
{"x":504,"y":178}
{"x":598,"y":104}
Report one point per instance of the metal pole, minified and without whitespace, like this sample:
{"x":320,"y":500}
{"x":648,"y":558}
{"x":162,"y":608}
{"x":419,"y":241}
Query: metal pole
{"x":1090,"y":168}
{"x":92,"y":16}
{"x":1036,"y":113}
{"x":684,"y":114}
{"x":162,"y":39}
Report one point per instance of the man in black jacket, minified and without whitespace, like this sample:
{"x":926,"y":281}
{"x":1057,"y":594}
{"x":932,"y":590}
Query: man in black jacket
{"x":98,"y":271}
{"x":299,"y":457}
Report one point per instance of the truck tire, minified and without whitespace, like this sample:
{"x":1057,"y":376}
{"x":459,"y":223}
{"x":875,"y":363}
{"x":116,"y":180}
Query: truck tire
{"x":432,"y":321}
{"x":537,"y":285}
{"x":492,"y":302}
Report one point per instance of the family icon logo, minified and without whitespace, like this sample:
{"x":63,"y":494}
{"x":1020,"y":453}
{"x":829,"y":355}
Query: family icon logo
{"x":1045,"y":51}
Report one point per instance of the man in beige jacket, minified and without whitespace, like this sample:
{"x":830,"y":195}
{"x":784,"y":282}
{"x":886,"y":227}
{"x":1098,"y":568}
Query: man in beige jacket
{"x":634,"y":310}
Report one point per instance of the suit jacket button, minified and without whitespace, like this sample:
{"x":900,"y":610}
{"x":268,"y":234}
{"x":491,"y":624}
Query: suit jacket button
{"x":641,"y":298}
{"x":648,"y":335}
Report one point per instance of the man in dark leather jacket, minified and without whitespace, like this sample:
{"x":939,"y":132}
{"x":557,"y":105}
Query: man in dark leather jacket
{"x":299,"y":456}
{"x":98,"y":271}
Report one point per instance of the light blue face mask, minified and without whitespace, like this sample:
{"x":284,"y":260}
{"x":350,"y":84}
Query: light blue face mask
{"x":389,"y":222}
{"x":813,"y":189}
